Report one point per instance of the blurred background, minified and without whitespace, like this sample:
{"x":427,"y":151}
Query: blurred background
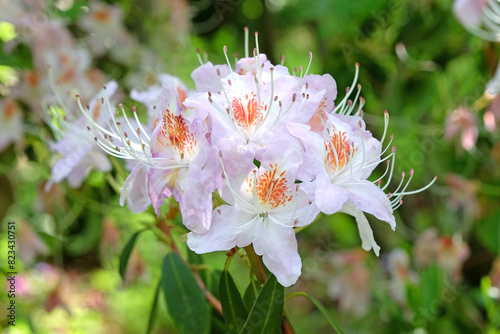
{"x":439,"y":272}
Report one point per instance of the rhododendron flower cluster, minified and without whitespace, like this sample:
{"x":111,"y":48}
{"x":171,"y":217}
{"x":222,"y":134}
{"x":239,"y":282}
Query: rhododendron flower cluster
{"x":275,"y":146}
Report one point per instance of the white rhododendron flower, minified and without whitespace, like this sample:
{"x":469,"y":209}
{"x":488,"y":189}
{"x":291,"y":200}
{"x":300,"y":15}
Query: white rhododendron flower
{"x":274,"y":145}
{"x":264,"y":206}
{"x":79,"y":153}
{"x":479,"y":17}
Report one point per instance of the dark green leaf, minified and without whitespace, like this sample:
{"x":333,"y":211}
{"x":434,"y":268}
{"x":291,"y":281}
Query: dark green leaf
{"x":234,"y":311}
{"x":212,"y":282}
{"x":267,"y":311}
{"x":197,"y":259}
{"x":251,"y":293}
{"x":488,"y":231}
{"x":152,"y":314}
{"x":89,"y":233}
{"x":218,"y":326}
{"x":127,"y":250}
{"x":186,"y":302}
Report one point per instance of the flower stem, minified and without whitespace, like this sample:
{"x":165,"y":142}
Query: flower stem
{"x":230,"y":256}
{"x":255,"y":264}
{"x":168,"y":238}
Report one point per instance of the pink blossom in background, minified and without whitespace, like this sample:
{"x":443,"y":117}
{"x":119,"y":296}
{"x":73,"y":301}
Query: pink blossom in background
{"x":106,"y":33}
{"x":495,"y":273}
{"x":11,"y":123}
{"x":30,"y":244}
{"x":349,"y":285}
{"x":447,"y":252}
{"x":401,"y":274}
{"x":463,"y":195}
{"x":462,"y":122}
{"x":78,"y":152}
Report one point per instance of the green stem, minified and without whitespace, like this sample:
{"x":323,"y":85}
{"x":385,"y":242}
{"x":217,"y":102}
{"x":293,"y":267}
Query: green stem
{"x":335,"y":325}
{"x":112,"y":182}
{"x":165,"y":236}
{"x":295,"y":294}
{"x":230,"y":256}
{"x":118,"y":167}
{"x":255,"y":264}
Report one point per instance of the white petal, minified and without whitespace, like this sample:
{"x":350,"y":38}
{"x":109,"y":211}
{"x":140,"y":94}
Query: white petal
{"x":278,"y":247}
{"x":365,"y":231}
{"x":232,"y":227}
{"x":369,"y":198}
{"x":135,"y":190}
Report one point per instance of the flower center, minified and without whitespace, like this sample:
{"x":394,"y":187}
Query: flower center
{"x":338,"y":152}
{"x":246,"y":111}
{"x":272,"y":188}
{"x":177,"y":136}
{"x":101,"y":15}
{"x":10,"y":109}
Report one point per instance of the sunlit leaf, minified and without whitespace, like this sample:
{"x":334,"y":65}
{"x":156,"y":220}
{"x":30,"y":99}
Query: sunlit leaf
{"x":154,"y":306}
{"x":127,"y":250}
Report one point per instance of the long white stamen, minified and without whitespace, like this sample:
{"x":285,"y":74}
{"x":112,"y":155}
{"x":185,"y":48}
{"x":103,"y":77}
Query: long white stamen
{"x":94,"y":124}
{"x":400,"y":184}
{"x":227,"y":118}
{"x":421,"y":189}
{"x":258,"y":101}
{"x":305,"y":73}
{"x":199,"y":57}
{"x":246,"y":42}
{"x":55,"y":90}
{"x":399,"y":195}
{"x":255,"y":198}
{"x":342,"y":103}
{"x":140,"y":126}
{"x":227,"y":59}
{"x":259,"y":123}
{"x":385,"y":173}
{"x":241,"y":202}
{"x":400,"y":202}
{"x":392,"y":169}
{"x":257,"y":43}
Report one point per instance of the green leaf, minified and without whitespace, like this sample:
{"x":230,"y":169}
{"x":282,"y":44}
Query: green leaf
{"x":218,"y":326}
{"x":426,"y":297}
{"x":234,"y":311}
{"x":212,"y":282}
{"x":74,"y":12}
{"x":488,"y":231}
{"x":251,"y":293}
{"x":127,"y":250}
{"x":88,"y":237}
{"x":267,"y":311}
{"x":186,"y":302}
{"x":322,"y":309}
{"x":152,"y":314}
